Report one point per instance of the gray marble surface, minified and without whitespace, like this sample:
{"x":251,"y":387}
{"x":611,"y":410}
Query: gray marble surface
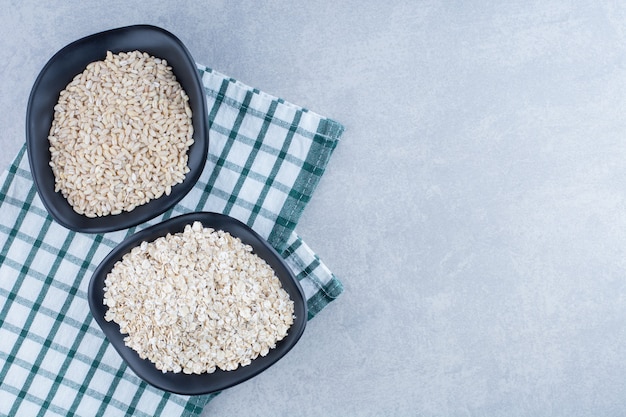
{"x":475,"y":209}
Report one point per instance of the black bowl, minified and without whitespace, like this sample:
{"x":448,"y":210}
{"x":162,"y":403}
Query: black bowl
{"x":61,"y":69}
{"x":195,"y":384}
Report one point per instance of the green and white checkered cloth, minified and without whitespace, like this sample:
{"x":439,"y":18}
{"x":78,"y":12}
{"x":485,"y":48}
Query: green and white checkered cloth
{"x":266,"y":157}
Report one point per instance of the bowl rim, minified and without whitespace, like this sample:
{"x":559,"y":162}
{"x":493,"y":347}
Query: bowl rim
{"x":225,"y":379}
{"x":109,"y":223}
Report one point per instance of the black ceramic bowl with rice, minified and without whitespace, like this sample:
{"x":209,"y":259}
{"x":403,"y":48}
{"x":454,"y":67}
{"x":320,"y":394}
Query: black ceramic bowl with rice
{"x":68,"y":192}
{"x":177,"y":381}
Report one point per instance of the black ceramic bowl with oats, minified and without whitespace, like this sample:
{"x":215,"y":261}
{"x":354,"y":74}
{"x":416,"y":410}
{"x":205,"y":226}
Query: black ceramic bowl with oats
{"x":116,"y":129}
{"x":197,"y":303}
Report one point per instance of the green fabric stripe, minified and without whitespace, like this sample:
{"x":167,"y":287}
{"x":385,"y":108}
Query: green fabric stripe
{"x":305,"y":184}
{"x":291,"y":249}
{"x":190,"y":409}
{"x":18,"y":203}
{"x":268,"y":184}
{"x":70,"y":384}
{"x":219,"y":98}
{"x":308,"y":273}
{"x":66,"y":364}
{"x":218,"y":193}
{"x":256,"y":208}
{"x":108,"y":399}
{"x":64,"y":350}
{"x":86,"y":379}
{"x":58,"y":379}
{"x":23,"y":173}
{"x":271,"y":150}
{"x":10,"y":263}
{"x":326,"y":292}
{"x":63,"y":310}
{"x":55,"y":326}
{"x":252,"y":174}
{"x":11,"y":174}
{"x":133,"y":404}
{"x":46,"y":311}
{"x":33,"y":312}
{"x":323,"y":148}
{"x":297,"y":195}
{"x":203,"y":400}
{"x":109,"y":395}
{"x":47,"y":284}
{"x":214,"y":110}
{"x":168,"y":214}
{"x":162,"y":404}
{"x":197,"y":404}
{"x":227,"y":146}
{"x":24,"y":207}
{"x":260,"y":114}
{"x":32,"y":399}
{"x":197,"y":407}
{"x":46,"y":247}
{"x":322,"y":298}
{"x":247,"y":168}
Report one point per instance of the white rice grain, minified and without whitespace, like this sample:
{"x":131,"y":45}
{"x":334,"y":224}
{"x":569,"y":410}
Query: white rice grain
{"x":121,"y":131}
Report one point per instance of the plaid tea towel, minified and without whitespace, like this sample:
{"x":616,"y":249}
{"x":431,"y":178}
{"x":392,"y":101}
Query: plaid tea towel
{"x":266,"y":157}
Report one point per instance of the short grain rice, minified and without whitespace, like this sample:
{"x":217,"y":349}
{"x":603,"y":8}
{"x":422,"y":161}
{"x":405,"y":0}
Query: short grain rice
{"x":120,"y":134}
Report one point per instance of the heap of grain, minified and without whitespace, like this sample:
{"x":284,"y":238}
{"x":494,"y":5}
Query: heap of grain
{"x":196,"y":301}
{"x":120,"y":134}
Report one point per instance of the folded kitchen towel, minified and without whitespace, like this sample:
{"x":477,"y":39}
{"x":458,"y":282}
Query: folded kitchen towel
{"x":266,"y":157}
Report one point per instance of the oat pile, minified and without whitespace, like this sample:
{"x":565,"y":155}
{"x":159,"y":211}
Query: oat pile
{"x":120,"y":134}
{"x":196,"y":301}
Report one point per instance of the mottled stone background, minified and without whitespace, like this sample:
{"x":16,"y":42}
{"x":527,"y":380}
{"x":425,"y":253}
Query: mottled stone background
{"x":475,"y":209}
